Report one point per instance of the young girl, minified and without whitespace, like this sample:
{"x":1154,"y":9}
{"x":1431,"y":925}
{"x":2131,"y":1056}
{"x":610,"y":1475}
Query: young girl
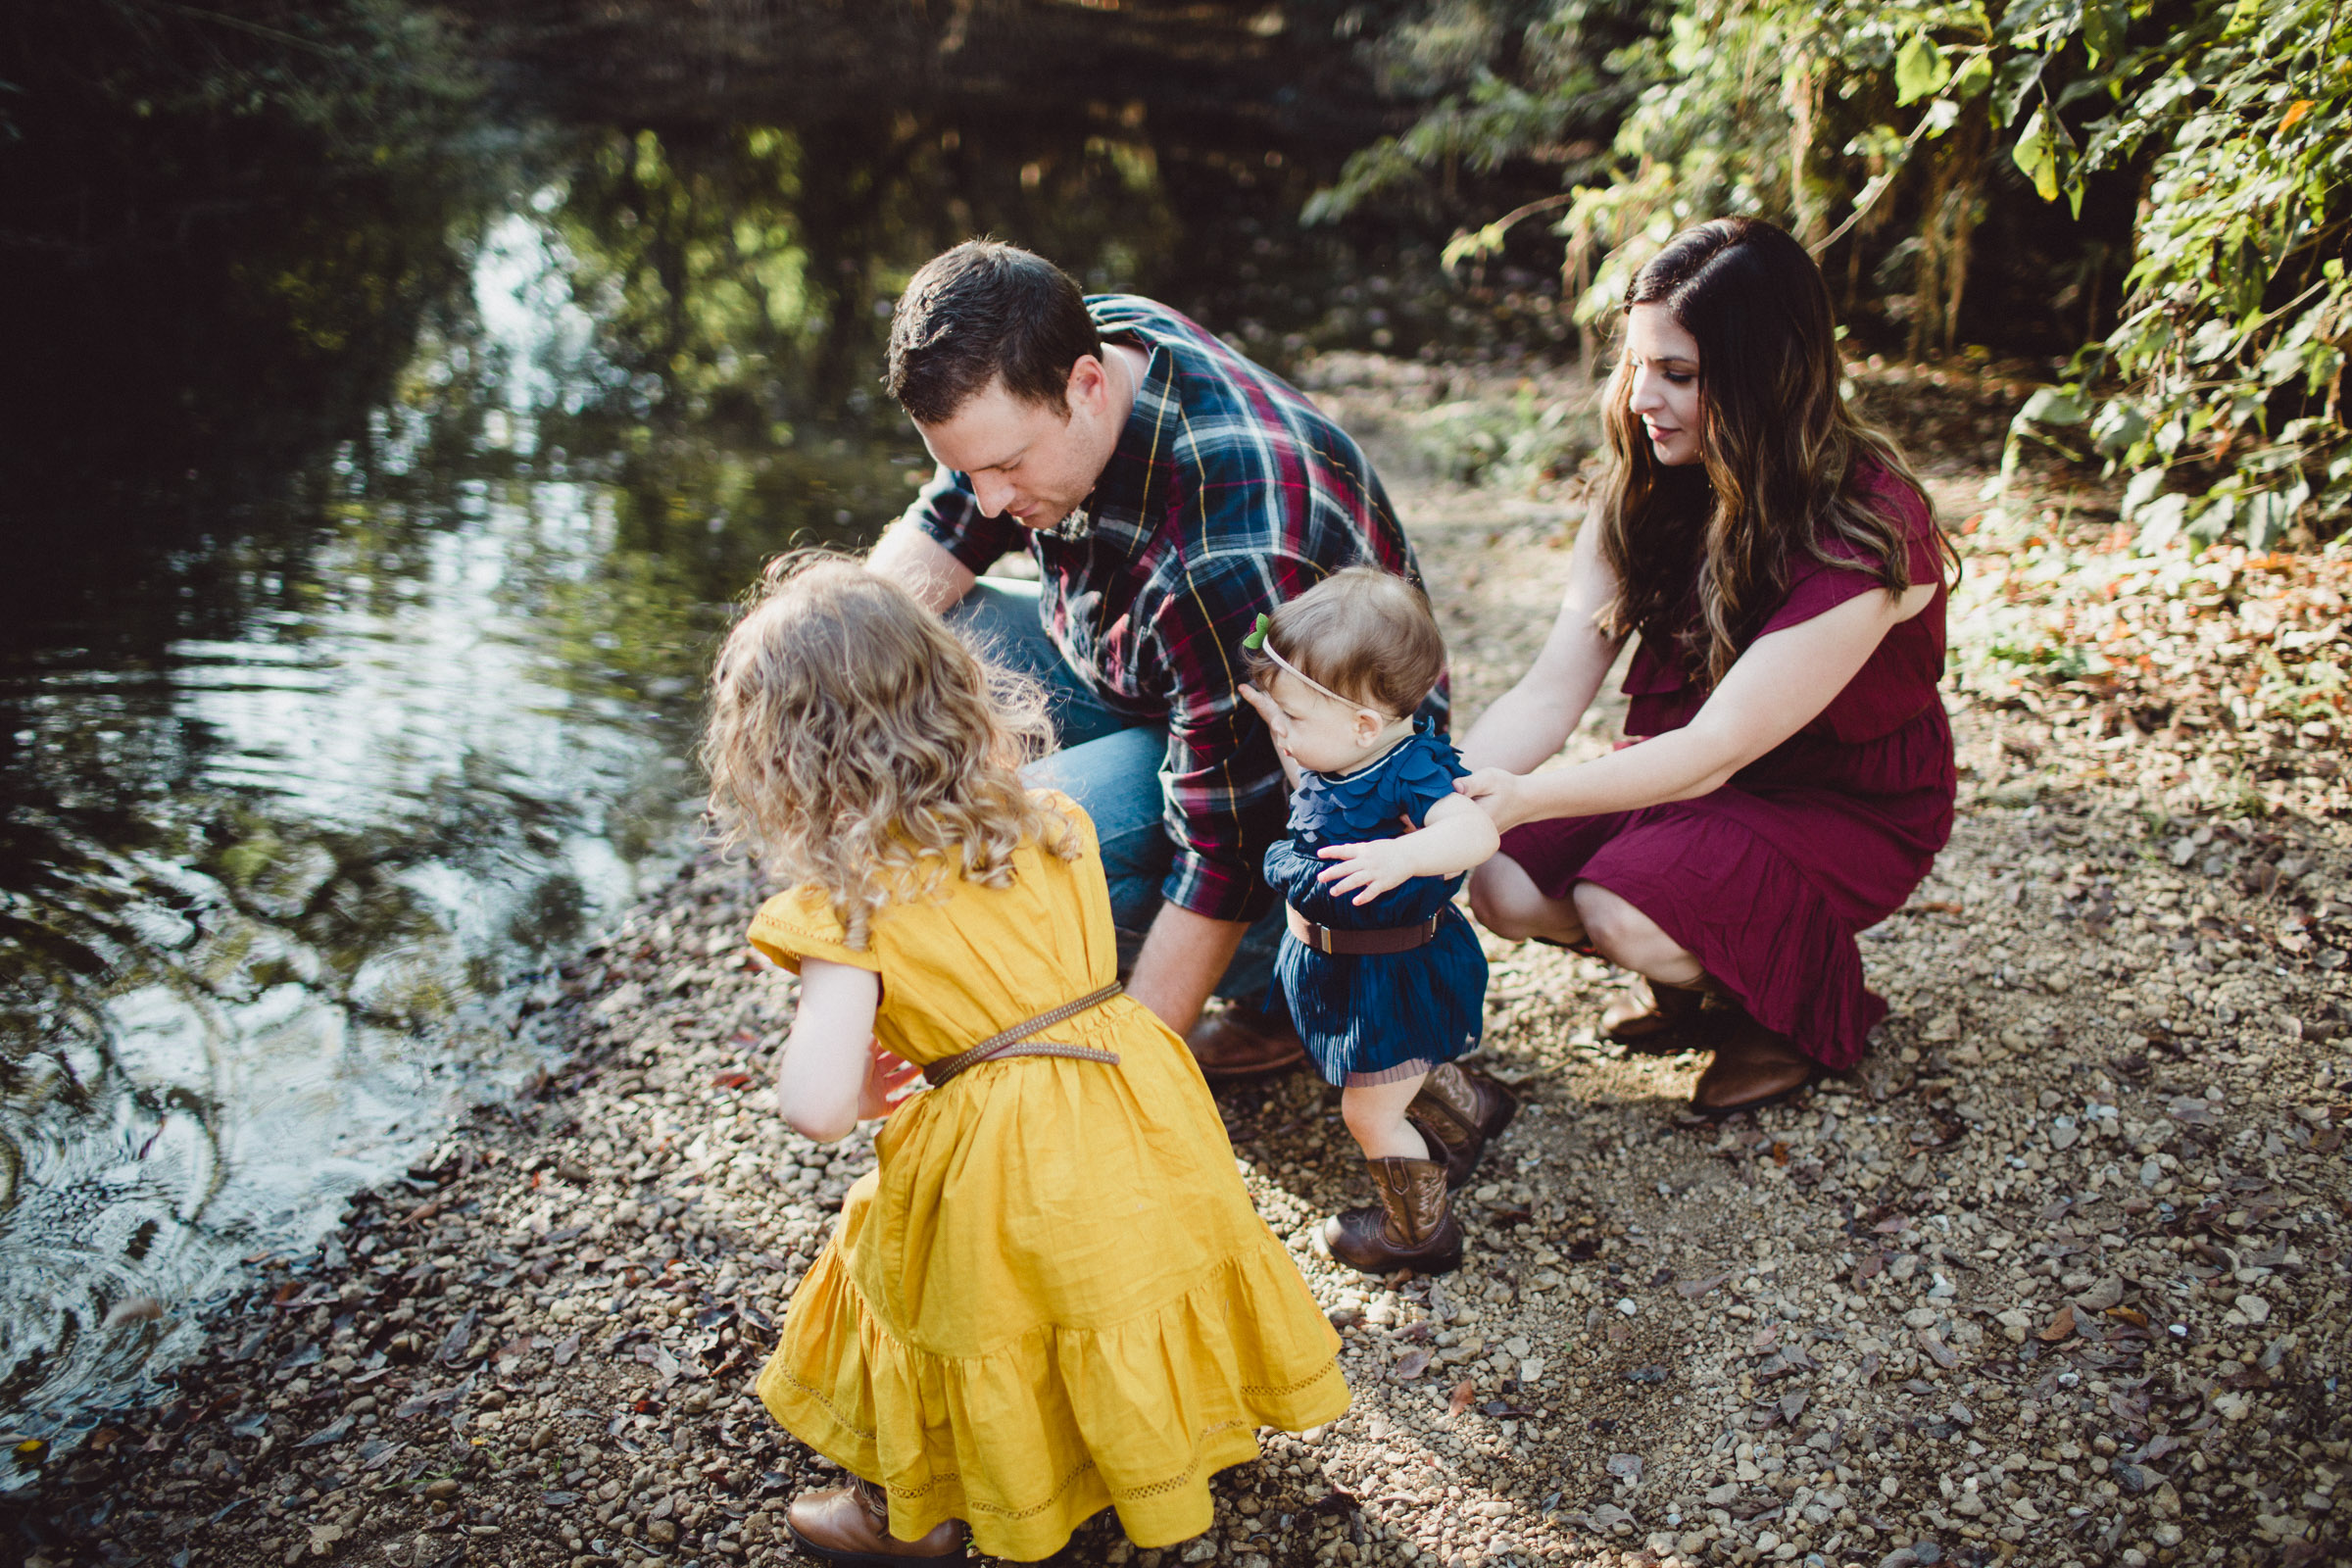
{"x":1053,"y":1295}
{"x":1384,"y":980}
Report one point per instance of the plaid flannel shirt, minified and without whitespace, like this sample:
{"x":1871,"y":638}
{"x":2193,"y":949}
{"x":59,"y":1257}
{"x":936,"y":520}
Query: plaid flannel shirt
{"x":1227,"y":493}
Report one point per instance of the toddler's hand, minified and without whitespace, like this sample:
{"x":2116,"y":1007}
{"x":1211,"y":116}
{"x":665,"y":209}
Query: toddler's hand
{"x":889,"y":1079}
{"x":1367,"y":870}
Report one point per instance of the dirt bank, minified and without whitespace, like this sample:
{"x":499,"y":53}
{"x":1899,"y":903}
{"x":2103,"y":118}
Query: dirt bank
{"x":2057,"y":1277}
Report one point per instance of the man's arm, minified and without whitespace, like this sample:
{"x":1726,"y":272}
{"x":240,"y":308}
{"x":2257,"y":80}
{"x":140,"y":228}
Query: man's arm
{"x":910,"y":558}
{"x":1184,"y":957}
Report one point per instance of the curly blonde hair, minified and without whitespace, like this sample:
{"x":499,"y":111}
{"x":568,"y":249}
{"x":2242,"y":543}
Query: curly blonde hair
{"x":856,"y":744}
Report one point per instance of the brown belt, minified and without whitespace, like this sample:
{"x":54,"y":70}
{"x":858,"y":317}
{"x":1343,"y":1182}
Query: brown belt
{"x":1015,"y":1041}
{"x":1393,"y":939}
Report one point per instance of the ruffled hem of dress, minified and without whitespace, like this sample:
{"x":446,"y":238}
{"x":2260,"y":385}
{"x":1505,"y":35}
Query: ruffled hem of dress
{"x":1371,"y":1013}
{"x":1137,"y":1416}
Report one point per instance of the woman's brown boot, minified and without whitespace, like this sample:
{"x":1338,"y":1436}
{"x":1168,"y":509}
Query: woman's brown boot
{"x":1753,"y":1068}
{"x":1412,"y":1227}
{"x":1657,"y":1020}
{"x":852,"y":1524}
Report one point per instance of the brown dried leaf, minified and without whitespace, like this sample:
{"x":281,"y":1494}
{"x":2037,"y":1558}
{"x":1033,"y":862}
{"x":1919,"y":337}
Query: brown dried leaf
{"x":1463,"y":1394}
{"x":2060,"y":1327}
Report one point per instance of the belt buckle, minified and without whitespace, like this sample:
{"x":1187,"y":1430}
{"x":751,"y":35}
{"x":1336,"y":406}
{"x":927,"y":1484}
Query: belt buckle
{"x":1323,"y":940}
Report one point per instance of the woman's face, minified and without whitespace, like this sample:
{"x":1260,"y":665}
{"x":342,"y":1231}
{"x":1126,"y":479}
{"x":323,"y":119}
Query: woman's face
{"x":1663,"y":361}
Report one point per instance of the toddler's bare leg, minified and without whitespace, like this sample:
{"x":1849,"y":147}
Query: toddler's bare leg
{"x":1375,"y":1115}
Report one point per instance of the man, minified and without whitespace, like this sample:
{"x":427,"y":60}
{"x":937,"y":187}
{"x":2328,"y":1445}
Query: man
{"x":1169,"y":492}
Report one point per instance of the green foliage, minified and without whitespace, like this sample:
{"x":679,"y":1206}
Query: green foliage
{"x":1505,"y":81}
{"x":1889,"y":130}
{"x":2226,"y":369}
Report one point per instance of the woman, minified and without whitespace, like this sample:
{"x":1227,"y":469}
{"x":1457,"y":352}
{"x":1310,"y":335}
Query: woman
{"x":1794,"y":779}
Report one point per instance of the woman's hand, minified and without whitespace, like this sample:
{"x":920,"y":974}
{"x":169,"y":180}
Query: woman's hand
{"x":1499,"y":793}
{"x":889,"y":1078}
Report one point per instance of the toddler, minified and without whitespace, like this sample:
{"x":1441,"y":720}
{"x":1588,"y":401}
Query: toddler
{"x":1384,"y":979}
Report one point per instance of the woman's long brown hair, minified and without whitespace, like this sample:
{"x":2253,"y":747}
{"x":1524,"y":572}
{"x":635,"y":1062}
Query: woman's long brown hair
{"x":1782,"y":456}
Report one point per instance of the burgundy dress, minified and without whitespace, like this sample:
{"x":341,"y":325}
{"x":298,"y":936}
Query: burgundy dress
{"x":1768,"y":879}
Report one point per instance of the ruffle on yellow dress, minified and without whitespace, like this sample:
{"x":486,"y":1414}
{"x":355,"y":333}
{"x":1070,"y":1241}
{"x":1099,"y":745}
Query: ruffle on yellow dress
{"x":1052,"y":1293}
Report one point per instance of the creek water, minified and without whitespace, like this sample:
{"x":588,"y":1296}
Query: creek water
{"x":368,"y":551}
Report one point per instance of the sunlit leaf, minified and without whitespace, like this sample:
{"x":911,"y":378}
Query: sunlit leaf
{"x":1919,"y":71}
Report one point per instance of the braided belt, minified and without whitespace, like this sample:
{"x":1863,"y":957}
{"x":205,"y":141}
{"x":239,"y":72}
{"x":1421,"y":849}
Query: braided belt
{"x":1393,"y":939}
{"x":1015,"y":1041}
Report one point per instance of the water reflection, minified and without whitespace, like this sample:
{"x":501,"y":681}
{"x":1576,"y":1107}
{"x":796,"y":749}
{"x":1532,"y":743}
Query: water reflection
{"x":332,"y":713}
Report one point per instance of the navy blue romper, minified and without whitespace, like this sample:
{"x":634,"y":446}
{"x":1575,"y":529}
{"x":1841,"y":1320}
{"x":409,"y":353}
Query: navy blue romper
{"x":1365,"y":1017}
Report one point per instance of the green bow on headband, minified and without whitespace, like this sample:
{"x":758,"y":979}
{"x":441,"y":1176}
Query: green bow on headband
{"x":1257,"y":635}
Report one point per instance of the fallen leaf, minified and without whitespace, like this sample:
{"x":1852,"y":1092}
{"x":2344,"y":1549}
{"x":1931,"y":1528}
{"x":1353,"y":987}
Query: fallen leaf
{"x":1626,"y":1466}
{"x":1693,"y":1290}
{"x":2060,"y":1327}
{"x":1463,"y":1394}
{"x":731,"y":1080}
{"x":1410,"y":1365}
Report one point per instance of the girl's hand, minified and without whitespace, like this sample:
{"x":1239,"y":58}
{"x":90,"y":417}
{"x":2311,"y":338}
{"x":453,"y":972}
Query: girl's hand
{"x":1498,"y":792}
{"x":1368,"y":870}
{"x":889,"y":1078}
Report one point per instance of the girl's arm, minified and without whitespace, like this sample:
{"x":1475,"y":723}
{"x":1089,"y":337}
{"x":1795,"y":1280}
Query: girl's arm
{"x":833,"y":1075}
{"x":1776,"y":688}
{"x":1449,"y":842}
{"x":1533,"y":720}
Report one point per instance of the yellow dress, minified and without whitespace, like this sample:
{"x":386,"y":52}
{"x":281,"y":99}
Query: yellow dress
{"x":1052,"y":1293}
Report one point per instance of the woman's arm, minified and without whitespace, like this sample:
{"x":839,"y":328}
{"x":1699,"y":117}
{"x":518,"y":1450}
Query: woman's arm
{"x":1533,"y":720}
{"x":1776,"y":688}
{"x":833,"y":1075}
{"x":1456,"y":837}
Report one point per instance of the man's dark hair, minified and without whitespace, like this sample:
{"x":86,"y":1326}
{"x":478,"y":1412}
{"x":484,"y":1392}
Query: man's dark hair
{"x":981,"y":311}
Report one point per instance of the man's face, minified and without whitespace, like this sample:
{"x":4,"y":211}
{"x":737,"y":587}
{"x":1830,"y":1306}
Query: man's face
{"x":1025,"y":460}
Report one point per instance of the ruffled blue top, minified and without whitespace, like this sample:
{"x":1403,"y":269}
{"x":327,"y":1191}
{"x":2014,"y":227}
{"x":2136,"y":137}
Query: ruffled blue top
{"x":1363,"y":1014}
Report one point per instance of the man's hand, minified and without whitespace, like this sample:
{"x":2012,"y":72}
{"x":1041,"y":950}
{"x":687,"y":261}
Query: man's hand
{"x":922,"y":565}
{"x":1266,"y":711}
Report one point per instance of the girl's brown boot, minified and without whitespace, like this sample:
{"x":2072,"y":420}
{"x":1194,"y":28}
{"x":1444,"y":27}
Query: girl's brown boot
{"x":1412,"y":1226}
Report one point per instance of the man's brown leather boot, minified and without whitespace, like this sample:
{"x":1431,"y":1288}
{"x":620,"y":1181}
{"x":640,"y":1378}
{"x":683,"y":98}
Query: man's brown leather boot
{"x":1412,"y":1227}
{"x":1241,"y":1041}
{"x":852,"y":1524}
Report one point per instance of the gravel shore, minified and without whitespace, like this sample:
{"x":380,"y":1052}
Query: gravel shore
{"x":2058,"y":1277}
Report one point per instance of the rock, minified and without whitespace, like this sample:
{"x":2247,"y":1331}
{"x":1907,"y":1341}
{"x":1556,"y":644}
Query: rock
{"x":2255,"y":1308}
{"x":2107,"y":1292}
{"x":1201,"y":1548}
{"x":662,"y":1532}
{"x":443,"y":1490}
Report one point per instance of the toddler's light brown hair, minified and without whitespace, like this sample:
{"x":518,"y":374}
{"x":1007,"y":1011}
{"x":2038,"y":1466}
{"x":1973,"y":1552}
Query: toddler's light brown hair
{"x":1365,"y":633}
{"x":856,"y":743}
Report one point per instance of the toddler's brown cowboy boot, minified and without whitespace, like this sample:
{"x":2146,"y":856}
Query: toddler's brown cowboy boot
{"x":1412,"y":1227}
{"x":1456,"y":1112}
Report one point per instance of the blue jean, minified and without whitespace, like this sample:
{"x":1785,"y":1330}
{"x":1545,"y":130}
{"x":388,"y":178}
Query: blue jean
{"x":1111,"y":765}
